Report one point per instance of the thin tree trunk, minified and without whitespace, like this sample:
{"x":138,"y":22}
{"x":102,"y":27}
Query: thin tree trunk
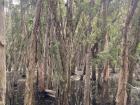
{"x":29,"y":90}
{"x":121,"y":97}
{"x":22,"y":7}
{"x":87,"y":77}
{"x":41,"y":77}
{"x":88,"y":71}
{"x":46,"y":45}
{"x":2,"y":56}
{"x":105,"y":94}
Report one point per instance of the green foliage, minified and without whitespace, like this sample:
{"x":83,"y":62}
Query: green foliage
{"x":138,"y":52}
{"x":54,"y":48}
{"x":30,"y":24}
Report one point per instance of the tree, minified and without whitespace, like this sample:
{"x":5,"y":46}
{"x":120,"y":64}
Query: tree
{"x":88,"y":56}
{"x":132,"y":51}
{"x":2,"y":55}
{"x":87,"y":77}
{"x":29,"y":90}
{"x":121,"y":97}
{"x":105,"y":95}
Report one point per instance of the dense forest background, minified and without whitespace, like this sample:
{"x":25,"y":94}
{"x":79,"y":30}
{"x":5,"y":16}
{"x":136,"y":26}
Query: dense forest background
{"x":69,"y":52}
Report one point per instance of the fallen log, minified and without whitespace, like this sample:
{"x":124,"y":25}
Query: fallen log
{"x":50,"y":93}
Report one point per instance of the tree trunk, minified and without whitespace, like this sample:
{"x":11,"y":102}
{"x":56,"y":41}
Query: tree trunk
{"x":2,"y":55}
{"x":41,"y":77}
{"x":132,"y":51}
{"x":88,"y":65}
{"x":121,"y":97}
{"x":29,"y":90}
{"x":22,"y":7}
{"x":105,"y":89}
{"x":87,"y":77}
{"x":46,"y":46}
